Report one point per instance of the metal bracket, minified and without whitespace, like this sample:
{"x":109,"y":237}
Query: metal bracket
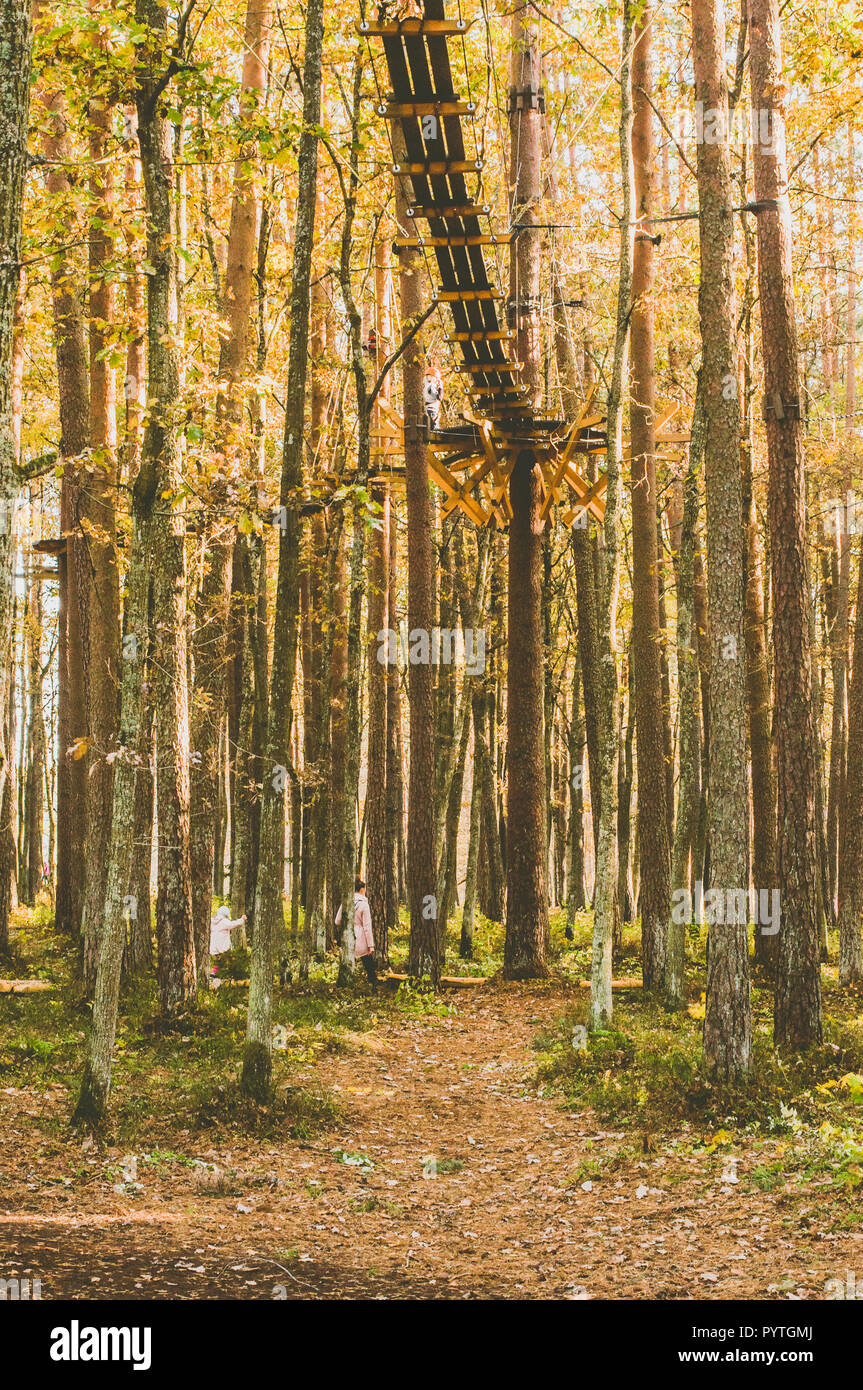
{"x":416,"y":433}
{"x":528,"y":304}
{"x":527,"y":98}
{"x":779,"y":409}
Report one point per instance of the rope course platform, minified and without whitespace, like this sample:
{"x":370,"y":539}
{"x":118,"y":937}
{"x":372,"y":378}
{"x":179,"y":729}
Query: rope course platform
{"x":472,"y":463}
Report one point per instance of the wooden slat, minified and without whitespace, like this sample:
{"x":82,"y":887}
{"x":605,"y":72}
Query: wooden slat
{"x":494,"y":335}
{"x":396,"y":28}
{"x":439,"y":168}
{"x":510,"y":368}
{"x":474,"y":239}
{"x":457,"y":296}
{"x":451,"y":210}
{"x":399,"y":110}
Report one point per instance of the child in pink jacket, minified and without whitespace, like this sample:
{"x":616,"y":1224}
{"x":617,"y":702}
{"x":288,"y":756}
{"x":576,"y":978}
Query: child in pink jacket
{"x":364,"y":941}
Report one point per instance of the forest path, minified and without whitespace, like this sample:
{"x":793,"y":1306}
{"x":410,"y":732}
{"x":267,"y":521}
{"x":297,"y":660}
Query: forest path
{"x":359,"y":1212}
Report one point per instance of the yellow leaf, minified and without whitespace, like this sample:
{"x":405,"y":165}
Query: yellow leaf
{"x":79,"y":748}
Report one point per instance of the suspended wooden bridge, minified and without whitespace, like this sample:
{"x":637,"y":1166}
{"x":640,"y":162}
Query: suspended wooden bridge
{"x":472,"y":462}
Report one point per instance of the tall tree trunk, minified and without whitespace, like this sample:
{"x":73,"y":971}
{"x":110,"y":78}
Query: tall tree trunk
{"x":526,"y":904}
{"x":851,"y":839}
{"x":728,"y":1018}
{"x":395,"y":788}
{"x":257,"y":1058}
{"x":16,"y":50}
{"x":759,"y":711}
{"x":797,"y":1004}
{"x":99,"y":522}
{"x":423,"y":954}
{"x":211,"y":618}
{"x":74,"y":404}
{"x":168,"y":535}
{"x":654,"y":856}
{"x":575,"y":899}
{"x":605,"y":892}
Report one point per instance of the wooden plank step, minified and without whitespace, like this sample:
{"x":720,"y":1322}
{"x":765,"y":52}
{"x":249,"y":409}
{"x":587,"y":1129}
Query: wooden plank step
{"x":24,"y":986}
{"x":447,"y":981}
{"x":398,"y":27}
{"x":456,"y":296}
{"x":450,"y":210}
{"x":508,"y":368}
{"x":439,"y":168}
{"x":457,"y":239}
{"x":398,"y":110}
{"x":494,"y":335}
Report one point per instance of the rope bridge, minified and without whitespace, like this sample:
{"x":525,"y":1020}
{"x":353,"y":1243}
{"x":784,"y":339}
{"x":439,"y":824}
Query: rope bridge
{"x":472,"y":463}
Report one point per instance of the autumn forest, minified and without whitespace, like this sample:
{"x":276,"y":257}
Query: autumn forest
{"x":431,"y":649}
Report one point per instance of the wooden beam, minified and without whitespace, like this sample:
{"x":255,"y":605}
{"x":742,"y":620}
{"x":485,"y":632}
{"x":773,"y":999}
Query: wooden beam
{"x":478,"y":239}
{"x":413,"y":26}
{"x":451,"y":210}
{"x":574,"y":435}
{"x":469,"y":293}
{"x":512,"y":368}
{"x":439,"y":167}
{"x":495,"y":335}
{"x":399,"y":110}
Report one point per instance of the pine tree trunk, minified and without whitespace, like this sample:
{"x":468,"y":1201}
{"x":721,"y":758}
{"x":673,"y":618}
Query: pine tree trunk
{"x":797,"y":1004}
{"x":423,"y":955}
{"x":16,"y":46}
{"x":654,"y":850}
{"x":526,"y":904}
{"x":851,"y":840}
{"x":99,"y":521}
{"x":74,"y":405}
{"x":605,"y":892}
{"x":212,"y":615}
{"x":682,"y":873}
{"x":395,"y":785}
{"x":728,"y":1021}
{"x":575,"y":899}
{"x":257,"y":1058}
{"x":759,"y":711}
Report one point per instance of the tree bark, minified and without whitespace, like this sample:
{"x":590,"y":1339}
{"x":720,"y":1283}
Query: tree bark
{"x":257,"y":1058}
{"x":797,"y":1003}
{"x":654,"y":850}
{"x":728,"y":1020}
{"x":16,"y":51}
{"x":605,"y":892}
{"x":423,"y":954}
{"x":526,"y":904}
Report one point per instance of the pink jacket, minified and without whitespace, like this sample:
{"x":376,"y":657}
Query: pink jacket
{"x":364,"y":942}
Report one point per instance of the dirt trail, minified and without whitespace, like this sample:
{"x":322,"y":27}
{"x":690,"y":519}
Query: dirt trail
{"x":469,"y":1191}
